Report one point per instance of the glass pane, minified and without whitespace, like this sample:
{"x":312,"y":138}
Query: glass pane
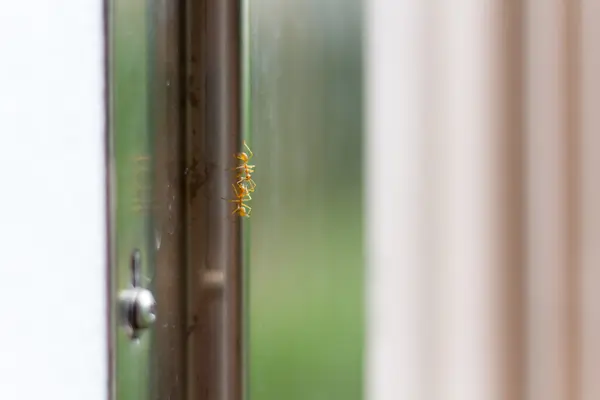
{"x":306,"y":269}
{"x":131,"y":56}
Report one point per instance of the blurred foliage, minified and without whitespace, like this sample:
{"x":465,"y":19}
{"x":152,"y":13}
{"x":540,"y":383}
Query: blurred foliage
{"x":306,"y":296}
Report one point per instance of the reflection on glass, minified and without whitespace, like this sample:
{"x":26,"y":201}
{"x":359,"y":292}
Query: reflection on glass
{"x":306,"y":317}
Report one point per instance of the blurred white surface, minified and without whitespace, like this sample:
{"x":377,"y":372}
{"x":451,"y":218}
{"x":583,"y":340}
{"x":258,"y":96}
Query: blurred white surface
{"x":433,"y":233}
{"x":53,"y":342}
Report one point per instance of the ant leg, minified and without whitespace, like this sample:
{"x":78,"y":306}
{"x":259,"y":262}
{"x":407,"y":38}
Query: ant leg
{"x":243,"y":179}
{"x":250,"y":184}
{"x":249,"y":151}
{"x":248,"y":187}
{"x":235,"y":190}
{"x":240,"y":173}
{"x":240,"y":199}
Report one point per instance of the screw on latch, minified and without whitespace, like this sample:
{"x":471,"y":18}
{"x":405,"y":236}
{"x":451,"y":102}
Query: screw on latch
{"x":137,"y":304}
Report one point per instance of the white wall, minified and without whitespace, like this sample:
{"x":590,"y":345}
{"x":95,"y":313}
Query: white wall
{"x":52,"y":201}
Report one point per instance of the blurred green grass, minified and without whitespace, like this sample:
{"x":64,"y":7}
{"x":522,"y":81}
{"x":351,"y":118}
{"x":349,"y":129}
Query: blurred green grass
{"x":306,"y":313}
{"x":303,"y":120}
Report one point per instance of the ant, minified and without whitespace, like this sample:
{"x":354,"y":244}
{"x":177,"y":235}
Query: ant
{"x":246,"y":171}
{"x":243,"y":195}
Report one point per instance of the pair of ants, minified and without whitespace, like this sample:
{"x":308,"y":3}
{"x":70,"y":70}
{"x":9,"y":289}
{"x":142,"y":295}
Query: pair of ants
{"x":244,"y":185}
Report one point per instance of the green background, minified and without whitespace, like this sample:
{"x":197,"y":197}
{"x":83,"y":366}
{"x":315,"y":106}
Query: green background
{"x":304,"y":123}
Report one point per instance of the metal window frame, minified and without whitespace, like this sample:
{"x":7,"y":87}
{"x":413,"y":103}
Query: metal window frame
{"x":192,"y":242}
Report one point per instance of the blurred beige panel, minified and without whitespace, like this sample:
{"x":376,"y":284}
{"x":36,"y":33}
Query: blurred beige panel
{"x":437,"y":241}
{"x":550,"y":363}
{"x":472,"y":256}
{"x":395,"y":205}
{"x":590,"y":199}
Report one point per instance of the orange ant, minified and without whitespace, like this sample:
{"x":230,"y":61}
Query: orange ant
{"x":243,"y":195}
{"x":246,"y":175}
{"x":246,"y":171}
